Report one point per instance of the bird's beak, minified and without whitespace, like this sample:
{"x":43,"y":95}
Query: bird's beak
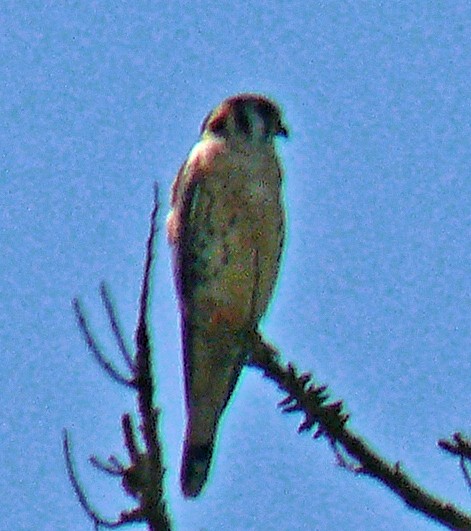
{"x":283,"y":131}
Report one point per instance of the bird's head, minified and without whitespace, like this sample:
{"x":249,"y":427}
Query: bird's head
{"x":245,"y":117}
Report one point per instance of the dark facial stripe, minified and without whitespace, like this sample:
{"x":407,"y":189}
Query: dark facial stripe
{"x":267,"y":112}
{"x":241,"y":119}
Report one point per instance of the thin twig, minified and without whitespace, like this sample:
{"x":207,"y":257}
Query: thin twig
{"x":116,"y":329}
{"x":113,"y":467}
{"x":130,"y":438}
{"x":459,"y":446}
{"x":106,"y":365}
{"x":464,"y":469}
{"x":92,"y":514}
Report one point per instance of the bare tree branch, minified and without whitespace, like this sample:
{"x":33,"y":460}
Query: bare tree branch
{"x":143,"y":478}
{"x":153,"y":504}
{"x":331,"y":421}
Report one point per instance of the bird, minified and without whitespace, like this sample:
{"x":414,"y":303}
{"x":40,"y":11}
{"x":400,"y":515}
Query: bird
{"x":226,"y":227}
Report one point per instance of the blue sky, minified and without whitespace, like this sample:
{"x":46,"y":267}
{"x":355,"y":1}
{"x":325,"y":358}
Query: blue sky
{"x":99,"y":101}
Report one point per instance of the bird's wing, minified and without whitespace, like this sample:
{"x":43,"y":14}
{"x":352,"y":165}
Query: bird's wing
{"x":196,"y":275}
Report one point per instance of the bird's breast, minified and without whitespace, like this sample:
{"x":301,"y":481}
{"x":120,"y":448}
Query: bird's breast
{"x":239,"y":216}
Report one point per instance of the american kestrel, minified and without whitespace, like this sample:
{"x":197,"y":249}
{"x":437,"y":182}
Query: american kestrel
{"x":227,"y":228}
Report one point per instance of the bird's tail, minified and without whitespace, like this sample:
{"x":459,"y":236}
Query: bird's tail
{"x":196,"y":463}
{"x":210,"y":381}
